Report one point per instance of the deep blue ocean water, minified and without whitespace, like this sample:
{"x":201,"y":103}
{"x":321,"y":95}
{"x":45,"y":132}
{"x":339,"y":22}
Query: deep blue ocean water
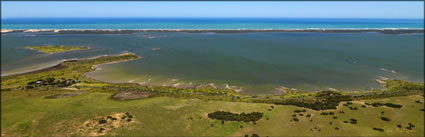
{"x":205,"y":23}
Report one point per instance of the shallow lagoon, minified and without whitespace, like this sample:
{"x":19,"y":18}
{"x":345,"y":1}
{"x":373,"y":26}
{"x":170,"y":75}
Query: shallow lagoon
{"x":257,"y":63}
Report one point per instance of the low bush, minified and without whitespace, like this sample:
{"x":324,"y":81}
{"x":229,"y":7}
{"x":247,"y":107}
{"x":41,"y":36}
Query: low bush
{"x":228,"y":116}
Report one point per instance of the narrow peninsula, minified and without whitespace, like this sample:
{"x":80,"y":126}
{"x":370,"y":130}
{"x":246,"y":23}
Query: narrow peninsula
{"x":56,"y":49}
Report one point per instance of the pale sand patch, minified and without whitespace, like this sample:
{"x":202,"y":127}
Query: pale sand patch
{"x":332,"y":89}
{"x":381,"y":81}
{"x":102,"y":125}
{"x":131,"y":81}
{"x":70,"y":89}
{"x":177,"y":84}
{"x":234,"y":88}
{"x":142,"y":83}
{"x":6,"y":31}
{"x":211,"y":85}
{"x":281,"y":90}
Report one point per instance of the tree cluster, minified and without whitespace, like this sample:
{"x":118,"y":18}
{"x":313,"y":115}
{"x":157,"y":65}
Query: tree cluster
{"x":50,"y":82}
{"x":229,"y":116}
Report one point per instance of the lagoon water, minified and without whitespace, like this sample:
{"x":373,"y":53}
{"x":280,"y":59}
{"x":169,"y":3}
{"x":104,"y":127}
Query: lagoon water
{"x":256,"y":62}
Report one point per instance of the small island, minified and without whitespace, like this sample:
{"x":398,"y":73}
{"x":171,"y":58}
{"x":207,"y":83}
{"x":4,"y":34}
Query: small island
{"x":56,"y":49}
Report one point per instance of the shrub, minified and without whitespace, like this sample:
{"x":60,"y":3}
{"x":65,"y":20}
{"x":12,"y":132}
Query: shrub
{"x":378,"y":129}
{"x":377,"y":104}
{"x":299,"y":111}
{"x":228,"y":116}
{"x":353,"y":121}
{"x":385,"y":119}
{"x":410,"y":126}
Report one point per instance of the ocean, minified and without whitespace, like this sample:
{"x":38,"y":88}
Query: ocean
{"x":205,"y":23}
{"x":253,"y":62}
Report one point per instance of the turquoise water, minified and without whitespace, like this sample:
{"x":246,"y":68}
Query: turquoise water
{"x":257,"y":63}
{"x":205,"y":23}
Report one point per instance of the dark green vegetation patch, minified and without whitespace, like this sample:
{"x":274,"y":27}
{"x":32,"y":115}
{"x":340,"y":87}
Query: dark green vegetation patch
{"x":229,"y":116}
{"x":377,"y":104}
{"x":56,"y":49}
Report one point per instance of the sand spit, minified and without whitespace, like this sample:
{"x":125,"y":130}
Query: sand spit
{"x":130,"y":31}
{"x":6,"y":30}
{"x":98,"y":66}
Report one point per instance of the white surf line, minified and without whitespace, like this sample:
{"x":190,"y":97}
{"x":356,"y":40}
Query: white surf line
{"x":388,"y":70}
{"x":381,"y":79}
{"x":131,"y":81}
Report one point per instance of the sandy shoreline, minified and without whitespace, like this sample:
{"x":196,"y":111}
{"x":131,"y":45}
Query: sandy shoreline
{"x":59,"y":64}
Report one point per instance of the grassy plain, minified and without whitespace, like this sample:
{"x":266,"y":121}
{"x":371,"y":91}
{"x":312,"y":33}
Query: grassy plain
{"x":26,"y":115}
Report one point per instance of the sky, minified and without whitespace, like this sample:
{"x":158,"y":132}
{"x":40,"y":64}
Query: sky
{"x":280,"y":9}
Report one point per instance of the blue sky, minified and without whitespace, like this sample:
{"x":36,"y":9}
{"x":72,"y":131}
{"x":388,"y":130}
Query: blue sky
{"x":215,"y":9}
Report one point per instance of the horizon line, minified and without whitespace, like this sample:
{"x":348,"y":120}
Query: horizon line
{"x":212,"y":17}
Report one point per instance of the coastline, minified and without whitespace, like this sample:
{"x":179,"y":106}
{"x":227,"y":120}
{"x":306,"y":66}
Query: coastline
{"x":88,"y":48}
{"x":313,"y":100}
{"x":129,"y":31}
{"x":58,"y":65}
